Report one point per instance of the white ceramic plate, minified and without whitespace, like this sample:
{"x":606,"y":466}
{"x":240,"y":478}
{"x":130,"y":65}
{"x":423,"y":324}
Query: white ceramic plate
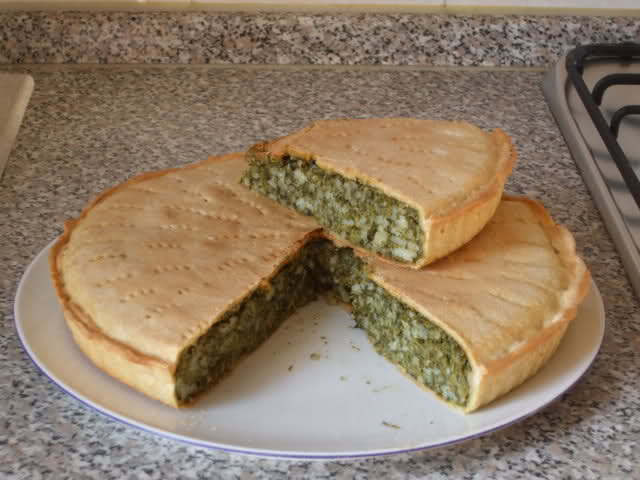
{"x":283,"y":401}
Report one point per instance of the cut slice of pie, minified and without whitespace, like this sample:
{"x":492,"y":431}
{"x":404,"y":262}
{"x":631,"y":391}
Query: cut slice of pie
{"x":167,"y":280}
{"x":408,"y":190}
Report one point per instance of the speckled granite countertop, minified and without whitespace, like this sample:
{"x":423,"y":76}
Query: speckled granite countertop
{"x":296,"y":38}
{"x":87,"y":129}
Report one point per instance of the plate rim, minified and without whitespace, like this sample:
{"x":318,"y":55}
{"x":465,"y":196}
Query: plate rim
{"x":272,"y":453}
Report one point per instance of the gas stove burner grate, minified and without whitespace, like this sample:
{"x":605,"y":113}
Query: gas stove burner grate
{"x":575,"y":63}
{"x":594,"y":95}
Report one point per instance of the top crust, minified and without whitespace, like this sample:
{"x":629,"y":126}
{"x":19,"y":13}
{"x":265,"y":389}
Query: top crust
{"x":435,"y":166}
{"x":154,"y":262}
{"x":453,"y":173}
{"x":506,"y":297}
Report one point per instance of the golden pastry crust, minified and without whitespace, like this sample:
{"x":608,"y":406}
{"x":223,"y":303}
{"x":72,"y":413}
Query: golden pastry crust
{"x":506,"y":297}
{"x":151,"y":264}
{"x":453,"y":173}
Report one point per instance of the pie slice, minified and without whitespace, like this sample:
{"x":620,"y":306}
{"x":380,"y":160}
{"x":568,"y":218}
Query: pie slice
{"x":476,"y":324}
{"x":167,"y":280}
{"x":409,"y":190}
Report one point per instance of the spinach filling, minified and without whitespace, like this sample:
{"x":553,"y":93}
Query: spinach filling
{"x":245,"y":327}
{"x":356,"y":212}
{"x":399,"y":333}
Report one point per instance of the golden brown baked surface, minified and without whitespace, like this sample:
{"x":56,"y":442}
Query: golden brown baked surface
{"x":153,"y":263}
{"x":452,"y":173}
{"x":506,"y":297}
{"x":436,"y":166}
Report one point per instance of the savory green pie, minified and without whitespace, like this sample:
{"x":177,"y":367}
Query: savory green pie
{"x":406,"y":189}
{"x":167,"y":280}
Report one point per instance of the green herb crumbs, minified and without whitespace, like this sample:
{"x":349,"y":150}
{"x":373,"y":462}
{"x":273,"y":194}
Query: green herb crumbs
{"x":354,"y":211}
{"x":390,"y":425}
{"x":381,"y":389}
{"x":402,"y":335}
{"x":343,"y":378}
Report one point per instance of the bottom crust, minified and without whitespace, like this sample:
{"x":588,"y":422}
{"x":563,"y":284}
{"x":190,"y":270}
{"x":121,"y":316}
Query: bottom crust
{"x":154,"y":379}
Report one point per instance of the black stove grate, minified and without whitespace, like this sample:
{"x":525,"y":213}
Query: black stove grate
{"x":576,"y":60}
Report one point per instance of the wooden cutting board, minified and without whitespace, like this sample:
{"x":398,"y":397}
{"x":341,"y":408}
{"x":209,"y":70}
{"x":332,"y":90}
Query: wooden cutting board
{"x":15,"y":91}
